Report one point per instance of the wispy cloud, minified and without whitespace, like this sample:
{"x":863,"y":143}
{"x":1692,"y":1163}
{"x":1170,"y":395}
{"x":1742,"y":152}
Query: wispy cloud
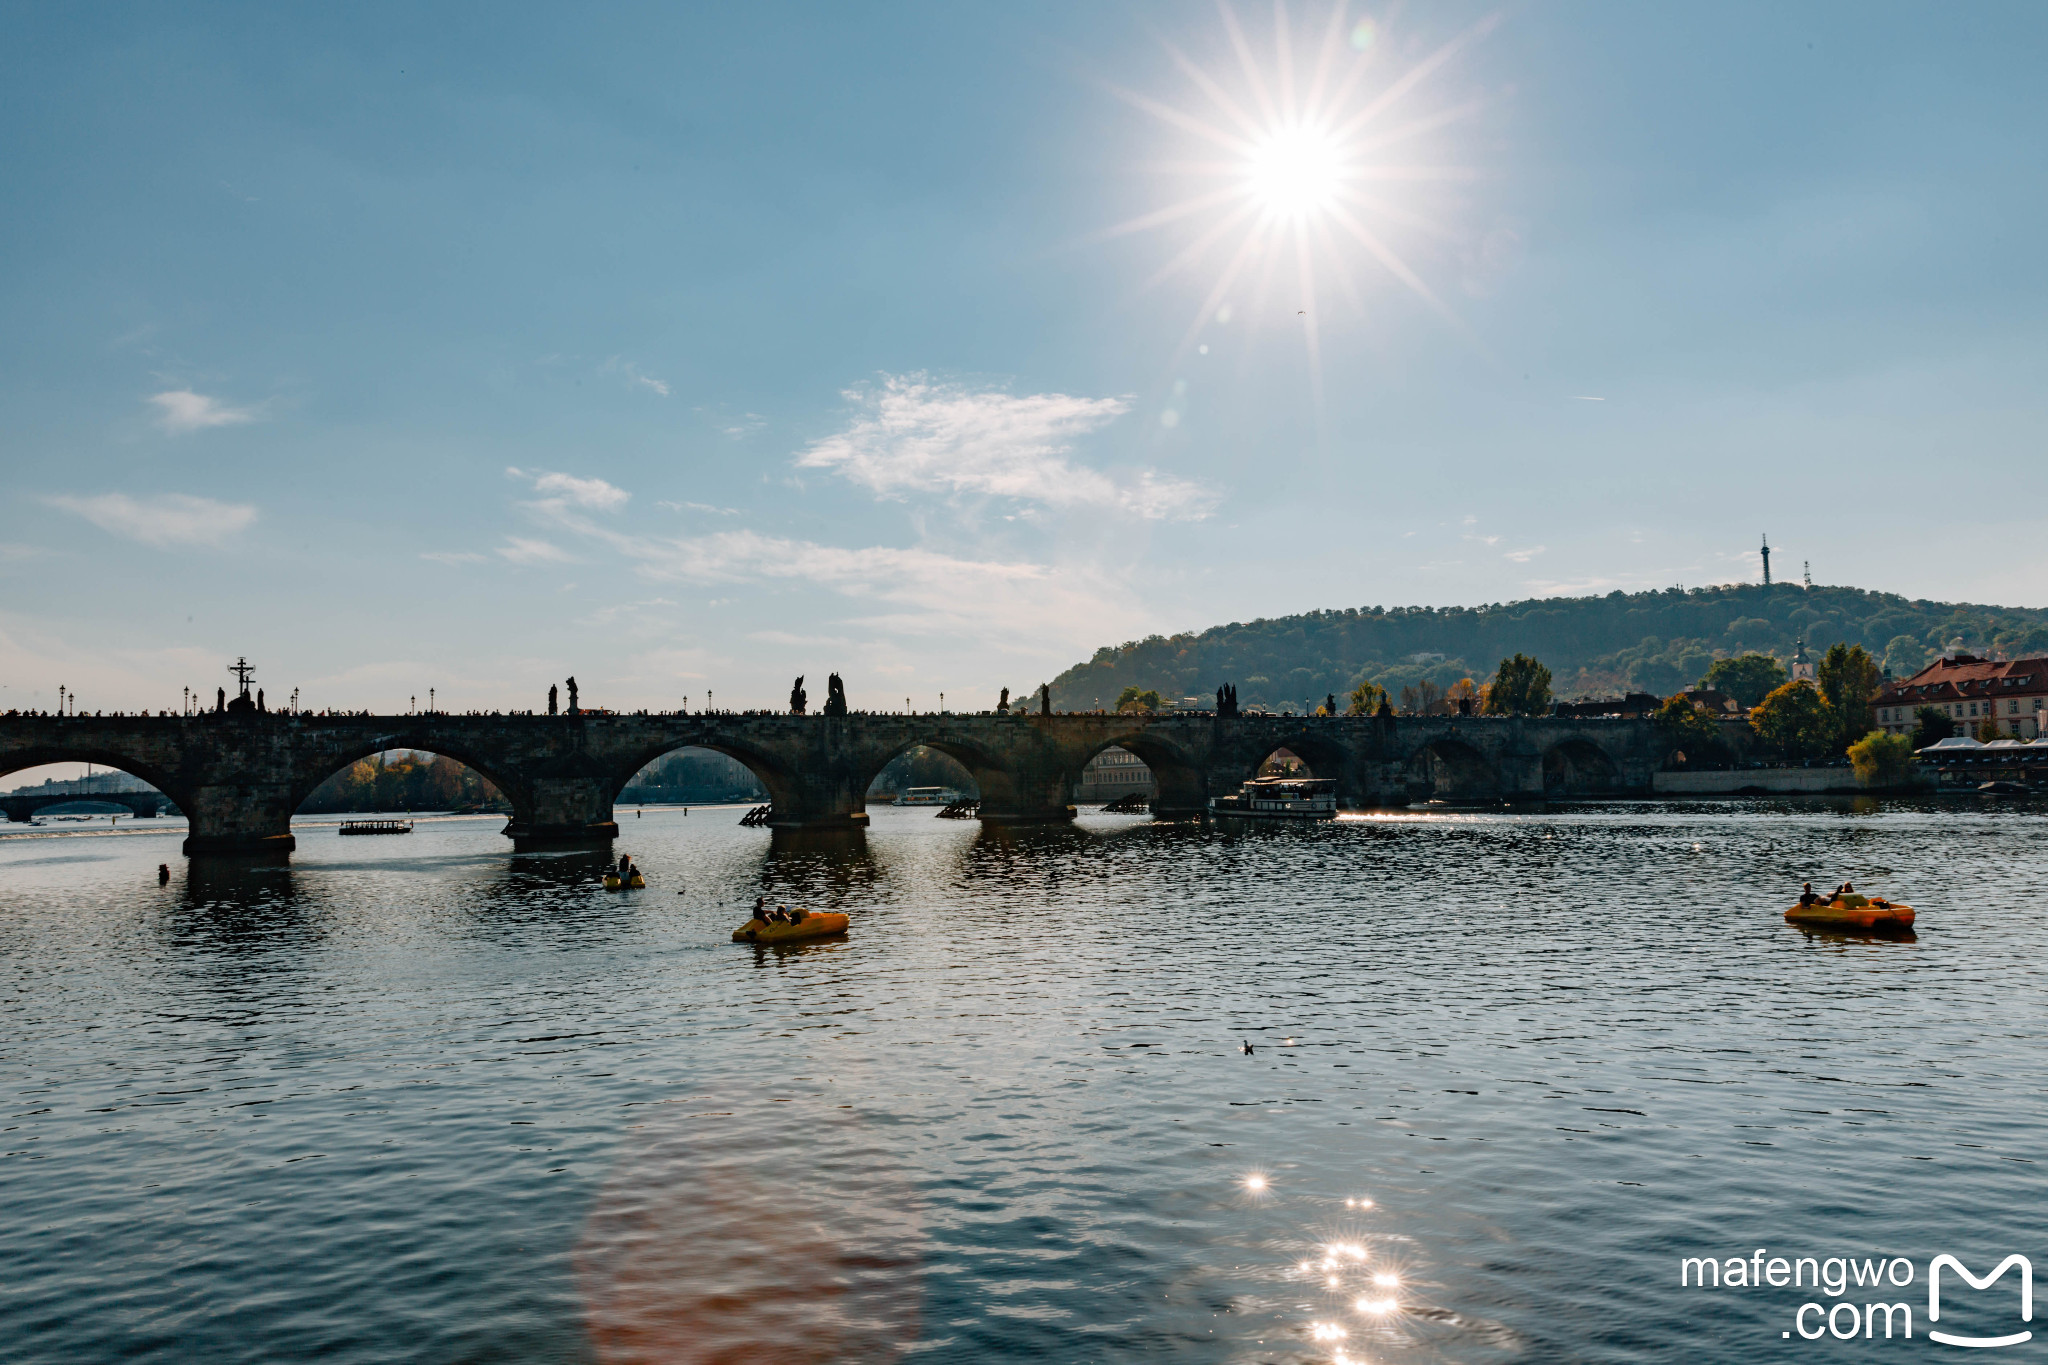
{"x":918,"y":435}
{"x":699,"y":507}
{"x":630,"y":372}
{"x":521,"y":550}
{"x":566,"y":490}
{"x":181,"y":410}
{"x":166,"y":520}
{"x":453,"y":556}
{"x":1524,"y":556}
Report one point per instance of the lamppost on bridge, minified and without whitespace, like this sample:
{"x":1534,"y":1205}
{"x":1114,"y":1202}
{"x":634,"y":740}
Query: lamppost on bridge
{"x":430,"y":701}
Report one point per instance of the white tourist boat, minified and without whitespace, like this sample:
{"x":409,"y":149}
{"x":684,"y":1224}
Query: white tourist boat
{"x":1280,"y":798}
{"x":927,"y":796}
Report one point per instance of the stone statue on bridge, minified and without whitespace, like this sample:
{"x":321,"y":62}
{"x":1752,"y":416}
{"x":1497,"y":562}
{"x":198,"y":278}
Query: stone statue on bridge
{"x":553,"y":702}
{"x":835,"y":696}
{"x":574,"y":710}
{"x":1045,"y":699}
{"x":798,"y":699}
{"x":1003,"y":706}
{"x":1226,"y":701}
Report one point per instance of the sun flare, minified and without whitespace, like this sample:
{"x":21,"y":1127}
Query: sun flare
{"x":1315,"y":159}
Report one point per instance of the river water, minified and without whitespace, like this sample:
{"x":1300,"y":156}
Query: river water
{"x":420,"y":1099}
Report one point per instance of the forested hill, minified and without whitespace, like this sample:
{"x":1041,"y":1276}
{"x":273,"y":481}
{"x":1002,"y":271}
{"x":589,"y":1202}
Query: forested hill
{"x":1654,"y":641}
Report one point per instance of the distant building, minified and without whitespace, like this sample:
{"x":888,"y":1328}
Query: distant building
{"x":113,"y":781}
{"x":1113,"y":773}
{"x":2013,"y":694}
{"x":1802,"y":667}
{"x":1715,"y":700}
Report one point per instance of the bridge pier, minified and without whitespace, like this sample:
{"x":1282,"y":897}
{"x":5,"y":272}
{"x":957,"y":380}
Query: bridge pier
{"x":239,"y":818}
{"x":1036,"y":793}
{"x":573,"y":811}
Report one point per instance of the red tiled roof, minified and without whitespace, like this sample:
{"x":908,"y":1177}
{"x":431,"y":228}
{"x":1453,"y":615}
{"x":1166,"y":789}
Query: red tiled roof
{"x":1964,"y":677}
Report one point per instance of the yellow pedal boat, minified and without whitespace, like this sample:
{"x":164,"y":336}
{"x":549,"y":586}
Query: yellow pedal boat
{"x":1861,"y":913}
{"x":634,"y":883}
{"x":816,"y":924}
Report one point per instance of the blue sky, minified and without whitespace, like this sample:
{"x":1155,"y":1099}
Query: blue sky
{"x":469,"y":347}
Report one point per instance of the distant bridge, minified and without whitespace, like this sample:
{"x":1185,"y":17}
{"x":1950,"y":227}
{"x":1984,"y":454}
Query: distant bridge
{"x":239,"y":777}
{"x":23,"y":806}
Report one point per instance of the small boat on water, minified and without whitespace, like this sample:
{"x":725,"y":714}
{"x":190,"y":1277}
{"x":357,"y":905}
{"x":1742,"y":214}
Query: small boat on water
{"x":1280,"y":798}
{"x":375,"y":827}
{"x":927,"y":796}
{"x":1865,"y":914}
{"x":815,"y":924}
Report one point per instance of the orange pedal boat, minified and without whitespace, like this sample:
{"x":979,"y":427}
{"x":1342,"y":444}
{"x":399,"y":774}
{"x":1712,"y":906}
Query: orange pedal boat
{"x":815,"y":924}
{"x":1862,"y":913}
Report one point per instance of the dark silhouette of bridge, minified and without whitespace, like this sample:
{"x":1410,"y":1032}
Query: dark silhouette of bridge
{"x":239,"y":776}
{"x":23,"y":806}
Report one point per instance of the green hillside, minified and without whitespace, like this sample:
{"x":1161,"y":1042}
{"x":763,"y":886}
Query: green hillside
{"x":1653,"y":641}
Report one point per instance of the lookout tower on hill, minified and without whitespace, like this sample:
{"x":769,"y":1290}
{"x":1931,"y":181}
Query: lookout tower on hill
{"x":1767,"y":561}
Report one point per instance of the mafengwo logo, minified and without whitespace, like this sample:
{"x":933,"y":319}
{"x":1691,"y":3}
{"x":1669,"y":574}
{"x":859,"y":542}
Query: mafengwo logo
{"x":1846,"y":1318}
{"x":2026,"y":1279}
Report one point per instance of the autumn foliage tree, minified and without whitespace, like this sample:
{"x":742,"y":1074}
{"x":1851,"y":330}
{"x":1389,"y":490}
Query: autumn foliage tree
{"x":1796,"y":721}
{"x":1366,"y":699}
{"x":1687,"y":727}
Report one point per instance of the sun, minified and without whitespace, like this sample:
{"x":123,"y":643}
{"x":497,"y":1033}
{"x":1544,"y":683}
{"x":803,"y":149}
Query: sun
{"x":1296,"y":172}
{"x":1311,"y":169}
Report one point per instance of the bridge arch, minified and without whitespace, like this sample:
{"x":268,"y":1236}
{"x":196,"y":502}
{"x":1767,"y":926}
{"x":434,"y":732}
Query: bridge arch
{"x":1449,"y":769}
{"x":308,"y":775}
{"x":1579,"y":767}
{"x":1179,"y":786}
{"x":783,"y":784}
{"x":994,"y":781}
{"x":99,"y":755}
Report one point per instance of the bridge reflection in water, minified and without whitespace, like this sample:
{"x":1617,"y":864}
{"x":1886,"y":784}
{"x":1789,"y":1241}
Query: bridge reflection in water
{"x":239,"y":777}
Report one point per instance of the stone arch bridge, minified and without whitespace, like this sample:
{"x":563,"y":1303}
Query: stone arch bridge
{"x":239,"y":777}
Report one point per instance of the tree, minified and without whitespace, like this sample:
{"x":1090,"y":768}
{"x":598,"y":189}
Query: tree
{"x":1795,"y":720}
{"x":1425,"y":698}
{"x":1367,"y":698}
{"x":1849,"y":681}
{"x":1686,"y":725}
{"x":1131,"y":699}
{"x":1748,"y":678}
{"x":1935,"y":726}
{"x":1881,"y":760}
{"x":1905,"y":655}
{"x":1521,"y":687}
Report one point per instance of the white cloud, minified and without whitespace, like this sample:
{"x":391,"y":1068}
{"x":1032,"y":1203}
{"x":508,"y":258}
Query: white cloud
{"x":1016,"y":606}
{"x":521,"y":550}
{"x":566,"y":490}
{"x":916,"y":435}
{"x":182,"y":410}
{"x":453,"y":556}
{"x":166,"y":520}
{"x":1524,"y":556}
